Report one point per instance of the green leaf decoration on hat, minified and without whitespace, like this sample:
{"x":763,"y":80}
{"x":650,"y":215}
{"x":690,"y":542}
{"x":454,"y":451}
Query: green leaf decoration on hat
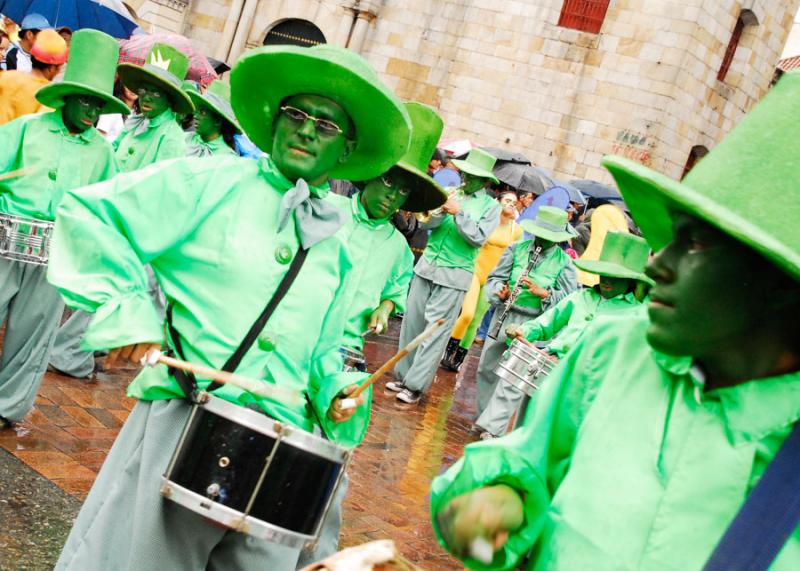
{"x":426,"y":130}
{"x":264,"y":77}
{"x":165,"y":67}
{"x":623,"y":255}
{"x":90,"y":70}
{"x":550,"y":224}
{"x":747,"y":186}
{"x":478,"y":163}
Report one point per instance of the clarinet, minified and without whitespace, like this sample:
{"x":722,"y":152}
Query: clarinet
{"x":512,"y":297}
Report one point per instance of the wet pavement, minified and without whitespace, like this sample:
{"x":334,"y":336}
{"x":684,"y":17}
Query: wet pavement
{"x":49,"y":461}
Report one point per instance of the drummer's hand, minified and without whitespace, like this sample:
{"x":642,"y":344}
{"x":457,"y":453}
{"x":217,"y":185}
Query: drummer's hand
{"x":130,"y":353}
{"x":514,"y":331}
{"x":379,"y":319}
{"x":335,"y":412}
{"x":490,"y":512}
{"x":504,"y":292}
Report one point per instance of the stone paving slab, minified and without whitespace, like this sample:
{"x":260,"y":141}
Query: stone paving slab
{"x":56,"y":452}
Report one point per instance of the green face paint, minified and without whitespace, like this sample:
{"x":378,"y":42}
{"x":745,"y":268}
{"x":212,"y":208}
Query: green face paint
{"x":612,"y":287}
{"x":709,"y":294}
{"x":383,"y":196}
{"x":472,"y":183}
{"x":152,"y":101}
{"x":545,"y":244}
{"x":207,"y":124}
{"x":302,"y":150}
{"x":80,"y":112}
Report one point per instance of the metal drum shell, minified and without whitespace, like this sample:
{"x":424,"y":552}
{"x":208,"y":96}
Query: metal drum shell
{"x":25,"y":239}
{"x":352,"y":358}
{"x":521,"y":366}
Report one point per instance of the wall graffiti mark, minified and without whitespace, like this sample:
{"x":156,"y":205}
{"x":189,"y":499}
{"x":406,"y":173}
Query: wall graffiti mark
{"x":634,"y":145}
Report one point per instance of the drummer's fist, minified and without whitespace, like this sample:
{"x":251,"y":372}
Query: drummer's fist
{"x":131,"y":353}
{"x":514,"y":331}
{"x":489,"y":513}
{"x":379,"y":319}
{"x":338,"y":413}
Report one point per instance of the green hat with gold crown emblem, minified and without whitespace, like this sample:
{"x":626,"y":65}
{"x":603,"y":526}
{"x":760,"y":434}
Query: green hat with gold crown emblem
{"x":165,"y":67}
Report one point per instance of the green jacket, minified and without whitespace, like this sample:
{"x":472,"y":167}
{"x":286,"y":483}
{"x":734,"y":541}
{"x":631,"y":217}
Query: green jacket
{"x":197,"y":147}
{"x":455,"y":240}
{"x":55,"y":162}
{"x":382,"y":266}
{"x":209,"y":231}
{"x":626,"y":463}
{"x":568,"y":319}
{"x":161,"y":139}
{"x":553,"y":271}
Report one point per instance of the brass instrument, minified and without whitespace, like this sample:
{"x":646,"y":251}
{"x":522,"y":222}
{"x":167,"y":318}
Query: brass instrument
{"x":452,"y":192}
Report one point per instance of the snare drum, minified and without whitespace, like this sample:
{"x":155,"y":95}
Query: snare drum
{"x":25,"y":239}
{"x":524,"y":365}
{"x":353,"y":360}
{"x":253,"y":474}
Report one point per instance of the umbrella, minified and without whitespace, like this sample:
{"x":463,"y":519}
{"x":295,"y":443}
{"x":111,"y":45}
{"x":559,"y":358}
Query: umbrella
{"x":219,"y":66}
{"x":109,"y":16}
{"x":524,"y":177}
{"x":575,"y":195}
{"x":136,"y":49}
{"x":457,"y":148}
{"x":505,"y":156}
{"x":598,"y":190}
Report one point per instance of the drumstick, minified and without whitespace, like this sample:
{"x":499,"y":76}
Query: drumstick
{"x":519,"y":335}
{"x":17,"y":173}
{"x":260,"y":388}
{"x":351,"y":400}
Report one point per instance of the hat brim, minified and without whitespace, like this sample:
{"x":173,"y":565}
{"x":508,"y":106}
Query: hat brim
{"x":427,"y":194}
{"x":653,"y":199}
{"x":469,"y":168}
{"x":531,"y":227}
{"x":133,"y":76}
{"x":264,"y":77}
{"x":226,"y":114}
{"x":611,"y":269}
{"x":52,"y":95}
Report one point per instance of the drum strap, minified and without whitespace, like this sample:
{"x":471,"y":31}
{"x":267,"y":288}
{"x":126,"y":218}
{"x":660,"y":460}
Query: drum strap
{"x":768,"y":517}
{"x":187,"y":381}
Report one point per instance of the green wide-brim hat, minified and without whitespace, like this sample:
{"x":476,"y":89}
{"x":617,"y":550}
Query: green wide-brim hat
{"x":550,"y":224}
{"x":166,"y":69}
{"x":747,"y":186}
{"x":218,"y":104}
{"x":90,"y":71}
{"x":426,"y":129}
{"x":623,"y":255}
{"x":478,"y":163}
{"x":264,"y":77}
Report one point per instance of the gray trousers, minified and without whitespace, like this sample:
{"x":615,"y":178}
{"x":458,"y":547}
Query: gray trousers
{"x":67,"y":355}
{"x":497,"y":401}
{"x":31,"y":308}
{"x":427,"y":303}
{"x":125,"y":523}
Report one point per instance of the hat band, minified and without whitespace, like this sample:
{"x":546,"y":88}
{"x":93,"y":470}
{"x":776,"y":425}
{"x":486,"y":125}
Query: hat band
{"x":549,"y":225}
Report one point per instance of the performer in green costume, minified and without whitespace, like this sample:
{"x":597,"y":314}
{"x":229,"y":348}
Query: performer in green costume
{"x":54,"y":153}
{"x":620,"y":267}
{"x":551,"y":280}
{"x":444,"y":273}
{"x":382,"y":260}
{"x":214,"y":122}
{"x":154,"y":135}
{"x":648,"y":437}
{"x":196,"y":221}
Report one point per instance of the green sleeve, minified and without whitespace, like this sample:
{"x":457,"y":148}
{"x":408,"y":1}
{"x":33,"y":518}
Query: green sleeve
{"x":532,"y":459}
{"x":327,"y":378}
{"x":396,"y":287}
{"x":11,"y":135}
{"x":106,"y":233}
{"x":548,"y":324}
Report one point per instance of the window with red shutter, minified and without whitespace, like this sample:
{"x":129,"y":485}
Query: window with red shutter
{"x":584,"y":15}
{"x":731,"y":51}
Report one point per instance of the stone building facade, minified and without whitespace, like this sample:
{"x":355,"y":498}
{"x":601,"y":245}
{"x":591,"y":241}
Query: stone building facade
{"x":504,"y":73}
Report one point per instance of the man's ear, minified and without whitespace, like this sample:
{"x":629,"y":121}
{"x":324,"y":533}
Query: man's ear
{"x":349,"y":147}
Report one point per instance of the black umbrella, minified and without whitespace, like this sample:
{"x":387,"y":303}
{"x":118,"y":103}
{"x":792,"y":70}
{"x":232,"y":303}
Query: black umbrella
{"x":598,"y":190}
{"x":219,"y":66}
{"x":523,"y":177}
{"x":505,"y":156}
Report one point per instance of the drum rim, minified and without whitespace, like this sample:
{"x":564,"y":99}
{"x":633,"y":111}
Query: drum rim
{"x":515,"y":380}
{"x":291,"y":435}
{"x":350,"y":351}
{"x":256,"y":527}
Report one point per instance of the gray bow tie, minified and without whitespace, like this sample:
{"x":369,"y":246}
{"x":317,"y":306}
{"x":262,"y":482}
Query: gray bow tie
{"x":316,"y":218}
{"x":136,"y":124}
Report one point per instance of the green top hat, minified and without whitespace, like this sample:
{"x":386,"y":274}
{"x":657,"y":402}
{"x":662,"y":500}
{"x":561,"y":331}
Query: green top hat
{"x":264,"y":77}
{"x":426,"y":128}
{"x":746,"y":186}
{"x":478,"y":163}
{"x":217,"y":98}
{"x":90,"y":71}
{"x":165,"y":68}
{"x":550,"y":224}
{"x":623,"y":255}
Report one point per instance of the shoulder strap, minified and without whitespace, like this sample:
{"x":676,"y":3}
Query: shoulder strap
{"x":187,"y":381}
{"x":768,"y":517}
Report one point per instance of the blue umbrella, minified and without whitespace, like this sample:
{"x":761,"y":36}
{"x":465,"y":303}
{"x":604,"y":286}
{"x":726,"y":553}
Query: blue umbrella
{"x":575,"y":195}
{"x":109,"y":16}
